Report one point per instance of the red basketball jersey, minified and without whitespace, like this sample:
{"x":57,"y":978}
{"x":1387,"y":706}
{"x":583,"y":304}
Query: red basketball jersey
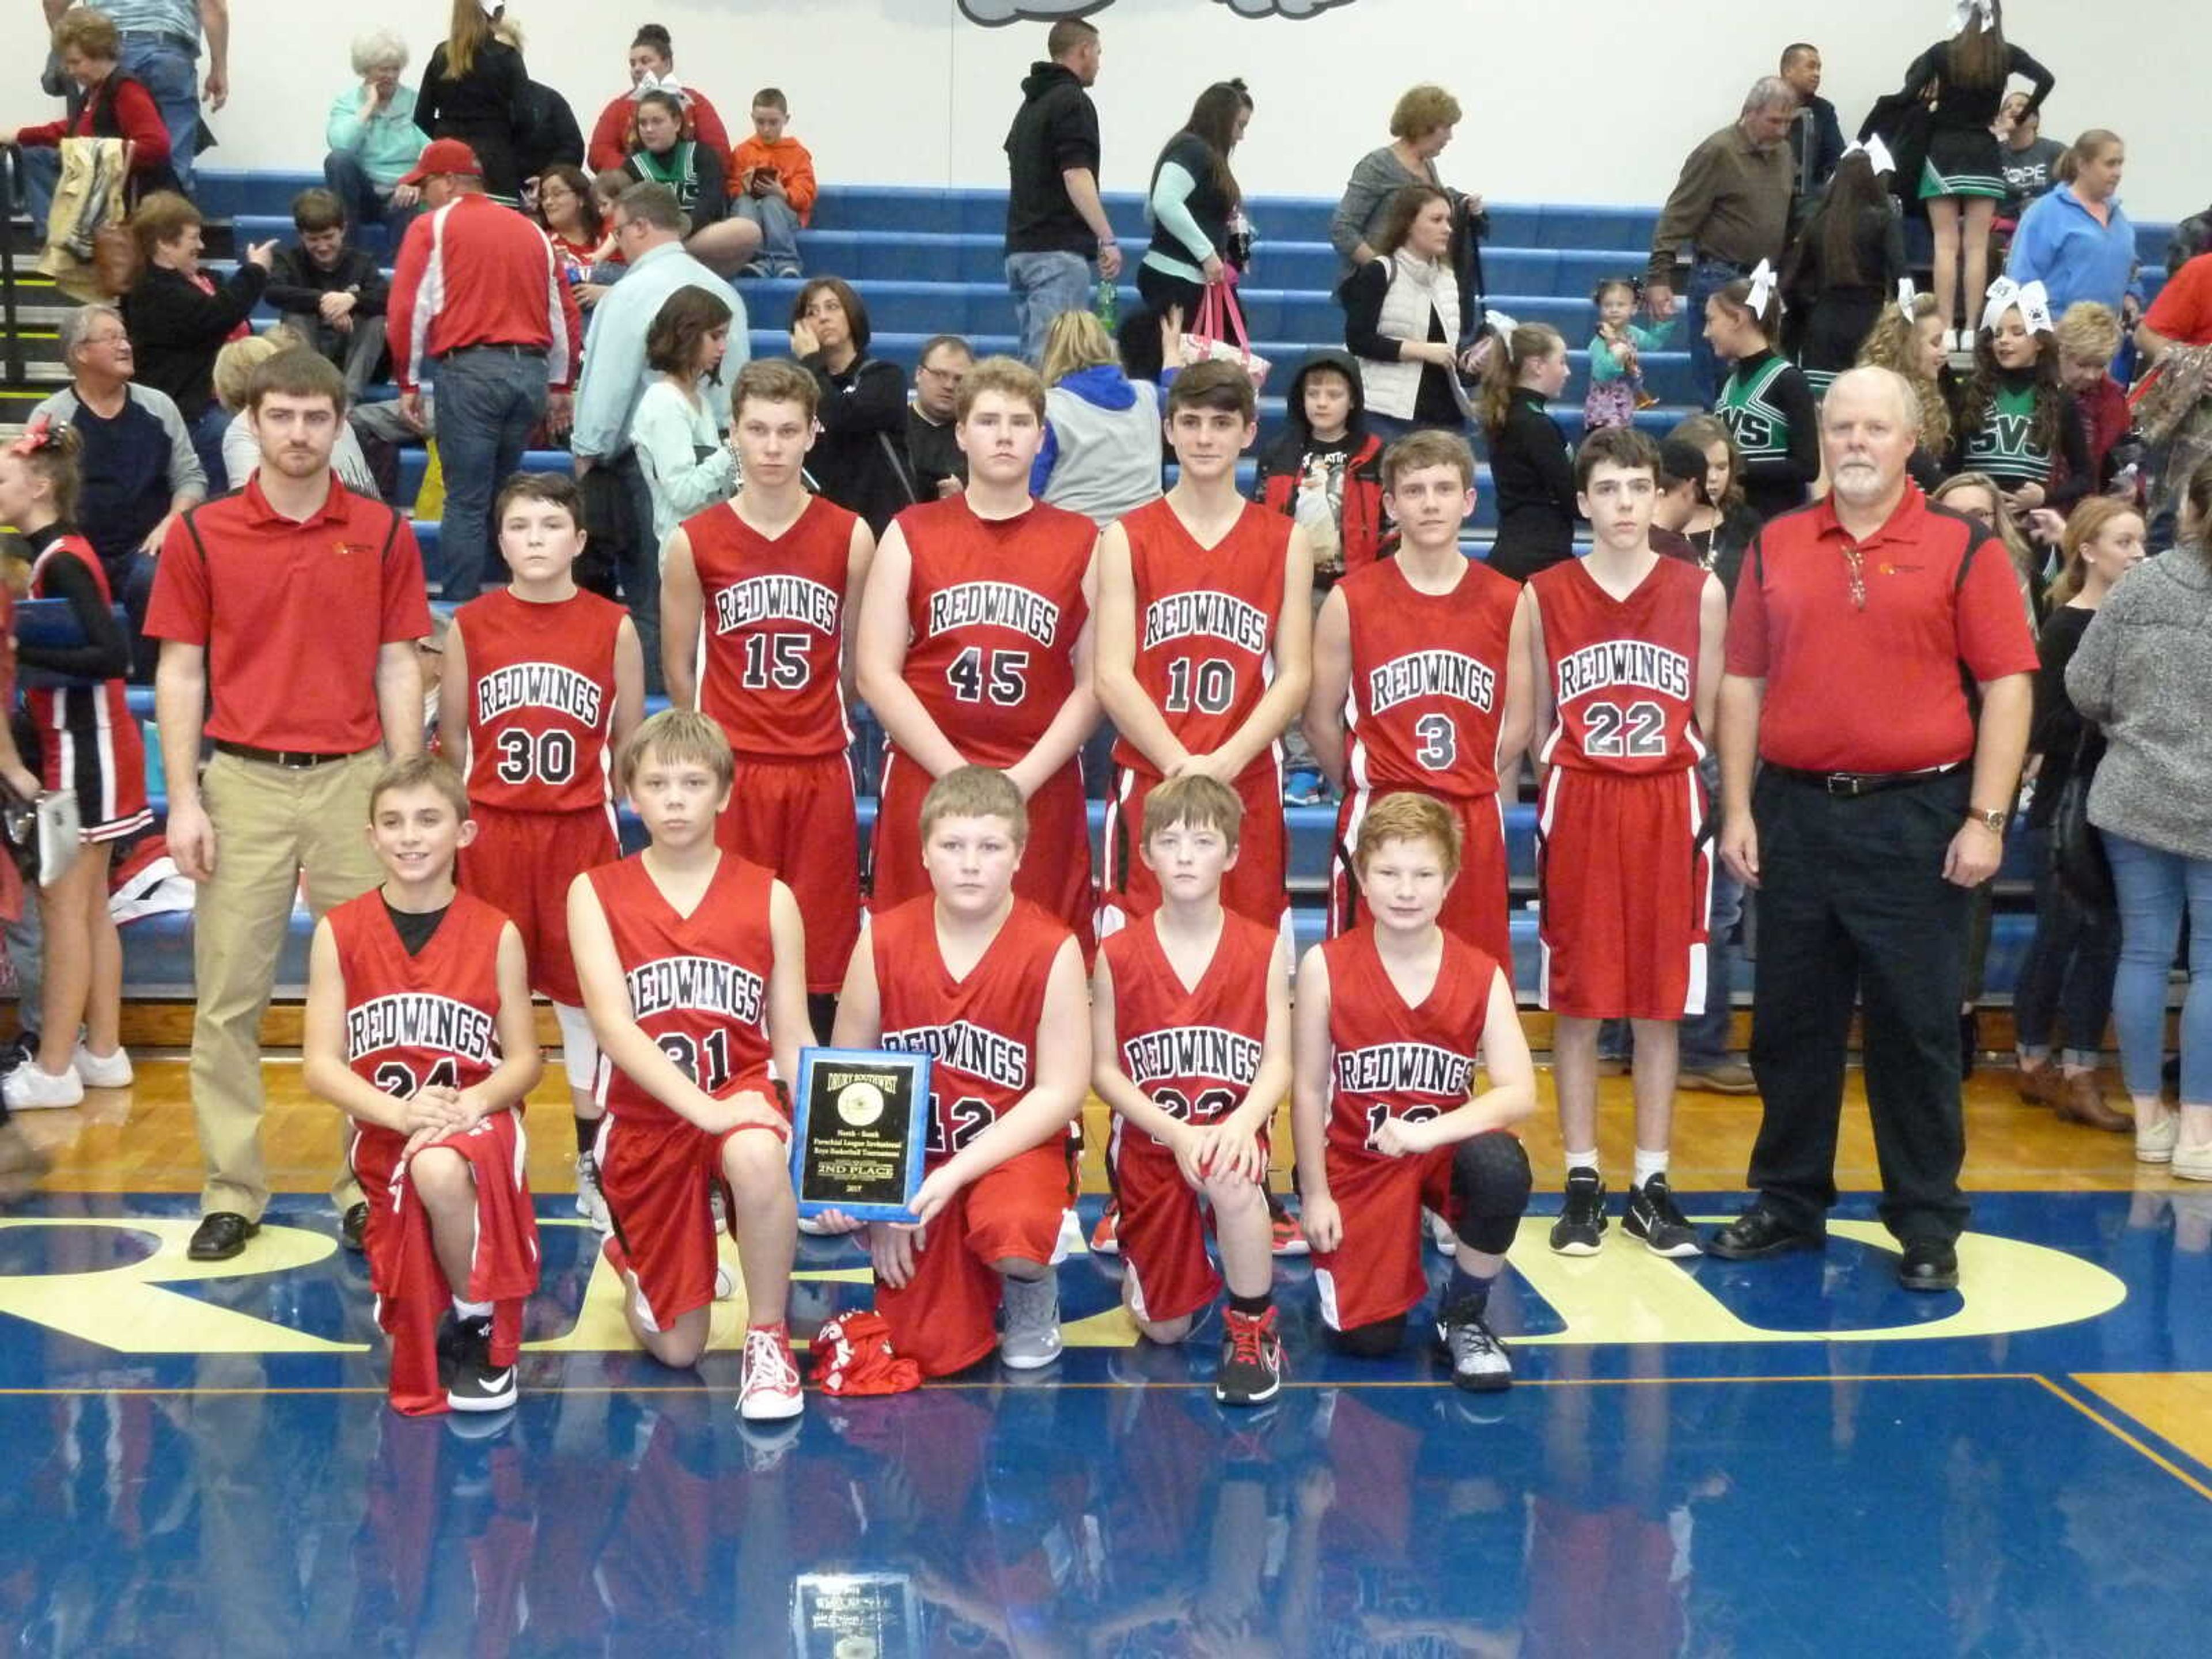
{"x":1623,"y":672}
{"x":1193,"y":1050}
{"x":1428,"y":680}
{"x":979,"y":1032}
{"x":414,"y":1021}
{"x":994,"y":608}
{"x":1389,"y":1060}
{"x":1206,"y":621}
{"x":774,"y":624}
{"x":697,"y":984}
{"x":540,"y":701}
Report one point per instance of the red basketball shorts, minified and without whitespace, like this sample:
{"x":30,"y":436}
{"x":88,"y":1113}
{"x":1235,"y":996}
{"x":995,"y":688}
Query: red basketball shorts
{"x":799,"y":819}
{"x":1162,"y":1228}
{"x":1055,"y":870}
{"x":658,"y":1175}
{"x":1476,"y":907}
{"x":521,"y":864}
{"x":946,"y":1315}
{"x":1254,"y":886}
{"x":1375,"y":1272}
{"x":411,"y":1292}
{"x":1623,"y":865}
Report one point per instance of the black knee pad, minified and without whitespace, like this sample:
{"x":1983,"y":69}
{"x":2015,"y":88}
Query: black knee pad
{"x":1384,"y":1336}
{"x":1491,"y":1179}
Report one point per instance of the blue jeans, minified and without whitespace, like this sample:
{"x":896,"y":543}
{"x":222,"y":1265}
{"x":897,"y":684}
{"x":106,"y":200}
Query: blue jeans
{"x":1044,"y":285}
{"x":488,"y":401}
{"x":38,"y":172}
{"x":366,"y":205}
{"x":778,"y":229}
{"x":640,"y":567}
{"x":2066,"y":979}
{"x":1707,"y":279}
{"x":2154,"y":888}
{"x":170,"y":75}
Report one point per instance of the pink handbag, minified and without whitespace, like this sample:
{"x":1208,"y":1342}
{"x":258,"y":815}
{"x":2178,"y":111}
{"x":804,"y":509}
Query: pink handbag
{"x":1203,"y":342}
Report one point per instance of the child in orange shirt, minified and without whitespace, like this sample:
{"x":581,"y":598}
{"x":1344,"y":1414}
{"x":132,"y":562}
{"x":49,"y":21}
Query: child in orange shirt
{"x":772,"y":184}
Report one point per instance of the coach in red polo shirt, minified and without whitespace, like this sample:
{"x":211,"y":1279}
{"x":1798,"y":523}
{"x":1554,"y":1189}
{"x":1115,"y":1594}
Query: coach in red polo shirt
{"x":288,"y":613}
{"x":478,"y":296}
{"x":1879,"y":804}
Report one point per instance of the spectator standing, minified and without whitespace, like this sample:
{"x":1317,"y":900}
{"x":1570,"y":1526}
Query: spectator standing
{"x":698,"y":177}
{"x":1730,"y":206}
{"x":136,"y":464}
{"x":2025,"y":156}
{"x":652,"y":66}
{"x":180,"y":315}
{"x":2066,"y":978}
{"x":1401,"y":319}
{"x":2139,"y":675}
{"x":287,"y":790}
{"x":330,"y":293}
{"x":1101,"y":450}
{"x":932,"y":447}
{"x":1200,"y":235}
{"x":688,"y":465}
{"x":1056,"y":225}
{"x":1843,"y":270}
{"x":1816,"y":137}
{"x":772,"y":185}
{"x":2077,"y":241}
{"x":2175,"y":339}
{"x":113,"y":106}
{"x":1532,"y":466}
{"x":482,"y":309}
{"x":373,"y":137}
{"x":1881,"y":801}
{"x":1421,"y":125}
{"x":1962,"y":181}
{"x":545,"y":131}
{"x":859,"y":459}
{"x":160,"y":42}
{"x":648,"y":233}
{"x":1767,"y":404}
{"x":474,"y":92}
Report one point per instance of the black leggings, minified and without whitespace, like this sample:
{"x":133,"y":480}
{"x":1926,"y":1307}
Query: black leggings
{"x":1491,"y":1179}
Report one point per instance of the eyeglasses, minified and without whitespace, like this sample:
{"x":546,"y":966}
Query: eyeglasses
{"x":953,"y":375}
{"x":117,"y":337}
{"x":1855,"y":572}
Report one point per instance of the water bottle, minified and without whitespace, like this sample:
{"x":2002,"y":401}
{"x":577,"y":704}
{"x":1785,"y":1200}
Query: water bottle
{"x":1108,"y":305}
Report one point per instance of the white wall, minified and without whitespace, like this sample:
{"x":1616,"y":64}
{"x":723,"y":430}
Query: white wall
{"x":914,"y":92}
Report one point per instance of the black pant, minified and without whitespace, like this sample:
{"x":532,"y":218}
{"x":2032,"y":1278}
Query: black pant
{"x":1852,"y":904}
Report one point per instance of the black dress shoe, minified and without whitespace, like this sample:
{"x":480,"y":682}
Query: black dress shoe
{"x":354,"y":1229}
{"x":1928,"y":1264}
{"x":1759,"y":1232}
{"x":220,"y":1236}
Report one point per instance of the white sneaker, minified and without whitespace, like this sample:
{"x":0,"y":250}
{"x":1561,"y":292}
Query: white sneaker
{"x":770,"y":1392}
{"x":2153,"y":1146}
{"x":590,"y":1204}
{"x":1032,"y":1338}
{"x":103,"y":1070}
{"x":725,"y":1283}
{"x":1441,"y":1233}
{"x":1954,"y":342}
{"x":30,"y":1088}
{"x":2193,"y":1162}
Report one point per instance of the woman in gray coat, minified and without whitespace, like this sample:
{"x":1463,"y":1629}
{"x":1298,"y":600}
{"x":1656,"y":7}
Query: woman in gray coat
{"x":2140,"y":675}
{"x":1421,"y":126}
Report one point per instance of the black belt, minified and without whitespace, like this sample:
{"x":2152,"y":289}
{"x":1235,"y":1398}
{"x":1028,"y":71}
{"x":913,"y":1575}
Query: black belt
{"x":294,"y":760}
{"x":1850,"y":785}
{"x":508,"y":347}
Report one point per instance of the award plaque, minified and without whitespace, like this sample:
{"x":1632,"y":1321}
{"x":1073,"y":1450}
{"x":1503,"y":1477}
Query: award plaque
{"x":858,"y":1143}
{"x":855,"y":1615}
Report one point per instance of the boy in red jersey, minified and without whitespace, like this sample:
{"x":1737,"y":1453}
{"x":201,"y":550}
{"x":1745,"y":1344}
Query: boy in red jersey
{"x":542,"y":684}
{"x":772,"y":580}
{"x":1205,"y":624}
{"x":975,"y":649}
{"x":990,"y":987}
{"x":692,"y":963}
{"x":418,"y":1027}
{"x":1190,"y":1021}
{"x":1418,"y":684}
{"x":1625,"y":658}
{"x":1392,"y":1019}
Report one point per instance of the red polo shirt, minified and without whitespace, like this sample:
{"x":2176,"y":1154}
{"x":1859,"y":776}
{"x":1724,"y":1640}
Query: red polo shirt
{"x":292,"y":614}
{"x":1877,"y":690}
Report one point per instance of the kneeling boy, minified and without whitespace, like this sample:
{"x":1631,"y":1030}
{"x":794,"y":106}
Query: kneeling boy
{"x":1392,"y":1019}
{"x":418,"y":1027}
{"x":990,"y":987}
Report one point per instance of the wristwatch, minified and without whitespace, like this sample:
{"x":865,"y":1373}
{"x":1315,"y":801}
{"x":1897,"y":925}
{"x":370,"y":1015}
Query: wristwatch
{"x":1992,"y":819}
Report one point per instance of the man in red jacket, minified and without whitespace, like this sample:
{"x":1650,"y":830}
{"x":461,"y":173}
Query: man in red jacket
{"x":478,"y":296}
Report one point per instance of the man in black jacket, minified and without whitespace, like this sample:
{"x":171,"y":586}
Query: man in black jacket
{"x":1816,"y":137}
{"x":1056,"y":223}
{"x":331,"y":294}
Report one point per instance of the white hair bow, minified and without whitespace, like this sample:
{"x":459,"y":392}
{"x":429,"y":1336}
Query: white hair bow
{"x":1500,"y":322}
{"x":1876,"y":152}
{"x":1762,"y":286}
{"x":651,"y":82}
{"x":2032,"y":299}
{"x":1966,"y":11}
{"x":492,"y":7}
{"x":1905,"y":296}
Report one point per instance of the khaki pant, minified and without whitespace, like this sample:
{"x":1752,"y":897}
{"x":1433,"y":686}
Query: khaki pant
{"x":271,"y":822}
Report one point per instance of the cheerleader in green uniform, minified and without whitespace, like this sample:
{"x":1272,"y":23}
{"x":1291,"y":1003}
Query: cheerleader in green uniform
{"x":2016,"y":419}
{"x":1766,"y":403}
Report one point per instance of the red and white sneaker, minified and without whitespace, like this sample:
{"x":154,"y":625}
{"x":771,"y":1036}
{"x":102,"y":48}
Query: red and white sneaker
{"x":771,"y":1391}
{"x":1106,"y":1236}
{"x":1289,"y":1237}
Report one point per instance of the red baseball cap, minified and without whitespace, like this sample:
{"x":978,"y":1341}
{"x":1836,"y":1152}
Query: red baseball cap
{"x":443,"y":155}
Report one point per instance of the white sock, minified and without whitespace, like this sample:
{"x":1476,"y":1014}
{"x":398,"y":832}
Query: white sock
{"x":1582,"y":1161}
{"x":1649,"y":1164}
{"x":470,"y":1309}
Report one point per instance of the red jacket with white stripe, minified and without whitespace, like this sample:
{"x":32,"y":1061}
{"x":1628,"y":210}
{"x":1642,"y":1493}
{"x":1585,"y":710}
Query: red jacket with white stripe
{"x":475,"y":273}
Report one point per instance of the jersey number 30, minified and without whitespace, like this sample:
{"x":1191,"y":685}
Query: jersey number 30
{"x":545,"y":757}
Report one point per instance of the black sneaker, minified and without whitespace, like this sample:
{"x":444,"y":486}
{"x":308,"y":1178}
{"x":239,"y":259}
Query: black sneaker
{"x":1654,"y":1217}
{"x":1251,"y":1359}
{"x":1480,"y":1363}
{"x":353,"y":1228}
{"x":1582,"y":1218}
{"x":477,"y":1385}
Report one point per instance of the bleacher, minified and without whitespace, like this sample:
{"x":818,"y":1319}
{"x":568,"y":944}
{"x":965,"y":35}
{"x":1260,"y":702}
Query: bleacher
{"x":930,"y":261}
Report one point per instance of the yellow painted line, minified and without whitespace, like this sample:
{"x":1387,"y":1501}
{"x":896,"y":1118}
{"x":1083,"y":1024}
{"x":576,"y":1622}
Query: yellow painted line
{"x":2176,"y":1406}
{"x":2126,"y":1439}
